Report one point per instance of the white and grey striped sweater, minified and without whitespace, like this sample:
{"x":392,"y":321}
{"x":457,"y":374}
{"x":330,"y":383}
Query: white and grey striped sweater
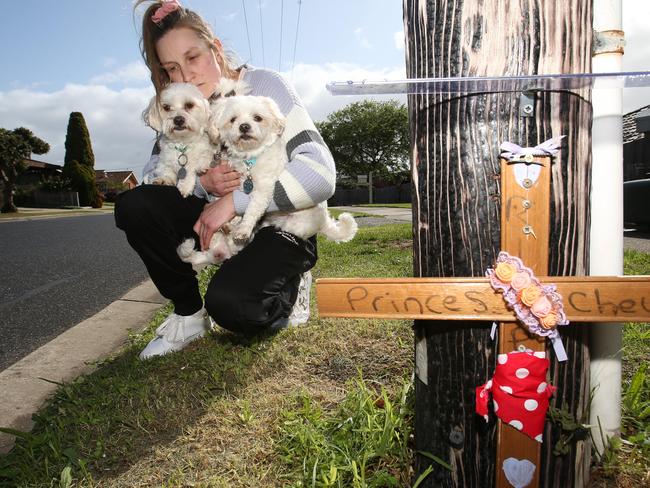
{"x":310,"y":174}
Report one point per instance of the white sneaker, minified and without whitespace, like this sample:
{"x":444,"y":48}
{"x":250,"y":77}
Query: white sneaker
{"x":176,"y":332}
{"x":300,"y":312}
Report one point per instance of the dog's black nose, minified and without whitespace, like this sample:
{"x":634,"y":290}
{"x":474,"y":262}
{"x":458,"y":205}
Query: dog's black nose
{"x":244,"y":128}
{"x":179,"y":120}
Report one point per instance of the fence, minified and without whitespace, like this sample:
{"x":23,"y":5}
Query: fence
{"x":56,"y":199}
{"x":359,"y":196}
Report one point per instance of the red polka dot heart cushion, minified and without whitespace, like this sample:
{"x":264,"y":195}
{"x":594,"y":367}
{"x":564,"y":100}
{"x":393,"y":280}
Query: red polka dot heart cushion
{"x":519,"y":391}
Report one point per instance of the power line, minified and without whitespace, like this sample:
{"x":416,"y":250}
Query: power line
{"x":281,"y":23}
{"x":295,"y":43}
{"x":250,"y":51}
{"x":262,"y":33}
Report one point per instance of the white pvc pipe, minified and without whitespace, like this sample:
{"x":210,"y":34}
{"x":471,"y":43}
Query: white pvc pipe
{"x":606,"y":241}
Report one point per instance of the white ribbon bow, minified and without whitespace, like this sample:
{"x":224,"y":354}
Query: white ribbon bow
{"x":513,"y":152}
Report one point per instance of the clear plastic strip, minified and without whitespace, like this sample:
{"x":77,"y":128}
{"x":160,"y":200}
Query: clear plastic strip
{"x":636,"y":79}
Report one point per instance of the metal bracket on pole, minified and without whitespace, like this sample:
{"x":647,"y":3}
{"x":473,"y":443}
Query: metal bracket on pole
{"x":527,"y":103}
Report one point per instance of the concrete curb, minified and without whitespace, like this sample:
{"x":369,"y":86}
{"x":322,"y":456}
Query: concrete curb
{"x":69,"y":355}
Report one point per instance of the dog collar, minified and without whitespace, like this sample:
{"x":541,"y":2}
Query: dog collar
{"x":248,"y":182}
{"x":182,"y":159}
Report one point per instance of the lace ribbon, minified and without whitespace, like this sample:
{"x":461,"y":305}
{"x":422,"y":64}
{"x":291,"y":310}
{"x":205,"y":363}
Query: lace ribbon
{"x":539,"y":307}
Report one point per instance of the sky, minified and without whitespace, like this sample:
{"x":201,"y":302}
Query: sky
{"x":83,"y":55}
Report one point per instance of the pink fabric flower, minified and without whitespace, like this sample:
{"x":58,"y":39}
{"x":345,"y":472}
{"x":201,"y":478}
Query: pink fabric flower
{"x":520,"y":281}
{"x":541,"y":307}
{"x":167,"y":7}
{"x":549,"y":322}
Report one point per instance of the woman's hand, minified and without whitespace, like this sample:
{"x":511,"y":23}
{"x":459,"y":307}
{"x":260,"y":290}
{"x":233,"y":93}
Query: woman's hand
{"x":220,"y":180}
{"x":214,"y":215}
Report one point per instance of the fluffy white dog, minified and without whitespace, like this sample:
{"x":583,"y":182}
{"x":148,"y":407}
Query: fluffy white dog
{"x":181,"y":115}
{"x":226,"y":89}
{"x":250,"y":128}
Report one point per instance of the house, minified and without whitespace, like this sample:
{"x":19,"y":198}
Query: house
{"x":36,"y":172}
{"x":636,"y":144}
{"x":114,"y":181}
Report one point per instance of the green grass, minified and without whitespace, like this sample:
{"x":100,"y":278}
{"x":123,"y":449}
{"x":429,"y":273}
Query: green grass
{"x":328,"y":404}
{"x":214,"y":414}
{"x":363,"y":442}
{"x":336,"y":212}
{"x":627,"y":461}
{"x":387,"y":205}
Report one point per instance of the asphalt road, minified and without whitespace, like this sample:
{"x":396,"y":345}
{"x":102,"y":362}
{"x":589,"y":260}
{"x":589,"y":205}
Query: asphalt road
{"x":55,"y":273}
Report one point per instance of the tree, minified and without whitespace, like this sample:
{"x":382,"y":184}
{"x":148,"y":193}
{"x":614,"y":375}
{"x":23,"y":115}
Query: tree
{"x":79,"y":161}
{"x":77,"y":142}
{"x":15,"y":147}
{"x":369,"y":137}
{"x":82,"y":180}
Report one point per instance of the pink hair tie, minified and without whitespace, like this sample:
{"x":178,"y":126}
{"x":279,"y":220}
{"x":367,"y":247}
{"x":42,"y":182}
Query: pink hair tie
{"x":539,"y":307}
{"x":167,"y":7}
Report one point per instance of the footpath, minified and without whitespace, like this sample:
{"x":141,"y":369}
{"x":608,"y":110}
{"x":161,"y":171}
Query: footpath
{"x":25,"y":213}
{"x":27,"y":384}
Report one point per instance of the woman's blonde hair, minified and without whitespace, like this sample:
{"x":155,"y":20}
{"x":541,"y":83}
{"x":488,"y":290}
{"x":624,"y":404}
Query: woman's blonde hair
{"x":182,"y":17}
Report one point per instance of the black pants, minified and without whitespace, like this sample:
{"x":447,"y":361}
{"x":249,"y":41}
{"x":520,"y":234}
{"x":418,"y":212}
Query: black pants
{"x":249,"y":292}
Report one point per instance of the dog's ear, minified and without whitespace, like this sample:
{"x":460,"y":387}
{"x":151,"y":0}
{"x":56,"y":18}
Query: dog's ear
{"x":279,"y":120}
{"x":206,"y":105}
{"x":205,"y":111}
{"x":213,"y":130}
{"x":214,"y":121}
{"x":151,"y":115}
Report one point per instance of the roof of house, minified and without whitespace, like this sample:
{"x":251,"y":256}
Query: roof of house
{"x":32,"y":163}
{"x":113,"y":176}
{"x":630,"y":132}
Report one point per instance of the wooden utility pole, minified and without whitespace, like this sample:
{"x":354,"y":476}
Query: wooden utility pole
{"x":455,"y":141}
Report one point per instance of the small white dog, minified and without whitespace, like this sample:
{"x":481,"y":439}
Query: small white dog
{"x":250,"y":129}
{"x":226,"y":89}
{"x":181,"y":115}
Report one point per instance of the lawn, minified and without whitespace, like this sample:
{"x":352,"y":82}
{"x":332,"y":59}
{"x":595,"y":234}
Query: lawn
{"x":326,"y":404}
{"x":228,"y":412}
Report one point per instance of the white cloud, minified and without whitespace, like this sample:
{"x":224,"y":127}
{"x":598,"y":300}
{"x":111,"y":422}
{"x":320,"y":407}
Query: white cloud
{"x":135,"y":71}
{"x":398,"y":38}
{"x":229,"y":17}
{"x":361,"y":37}
{"x":119,"y":138}
{"x":310,"y":80}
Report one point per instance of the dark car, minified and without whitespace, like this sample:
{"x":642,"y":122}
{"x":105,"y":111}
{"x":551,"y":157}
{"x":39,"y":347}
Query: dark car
{"x":636,"y":203}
